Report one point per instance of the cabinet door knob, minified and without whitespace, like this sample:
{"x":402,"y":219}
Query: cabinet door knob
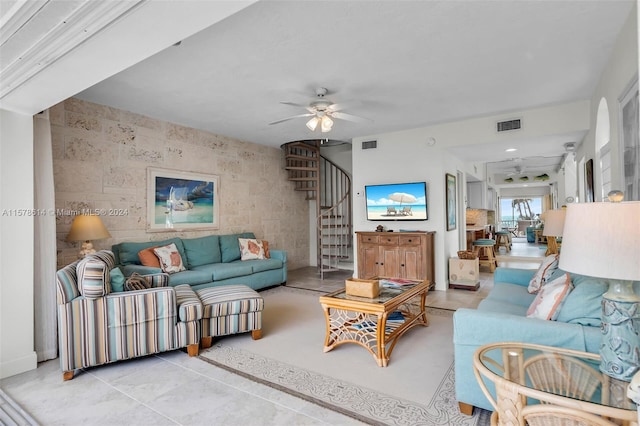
{"x":410,"y":240}
{"x":402,"y":264}
{"x":381,"y":264}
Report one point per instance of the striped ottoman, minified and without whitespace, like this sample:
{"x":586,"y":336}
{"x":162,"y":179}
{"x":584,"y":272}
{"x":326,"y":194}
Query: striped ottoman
{"x":230,"y":309}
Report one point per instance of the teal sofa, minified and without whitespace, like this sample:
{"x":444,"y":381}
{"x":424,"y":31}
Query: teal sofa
{"x":213,"y":260}
{"x":502,"y":317}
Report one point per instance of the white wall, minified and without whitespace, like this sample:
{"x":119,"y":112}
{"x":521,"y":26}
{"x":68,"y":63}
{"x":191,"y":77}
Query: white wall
{"x":17,"y":352}
{"x":406,"y":157}
{"x":621,"y":68}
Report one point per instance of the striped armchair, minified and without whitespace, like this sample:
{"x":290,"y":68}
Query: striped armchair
{"x":97,"y":326}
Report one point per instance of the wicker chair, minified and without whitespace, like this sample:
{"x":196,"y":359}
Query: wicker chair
{"x":553,"y":415}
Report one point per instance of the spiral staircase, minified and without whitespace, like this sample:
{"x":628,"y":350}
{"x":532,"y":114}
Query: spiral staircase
{"x":330,"y":187}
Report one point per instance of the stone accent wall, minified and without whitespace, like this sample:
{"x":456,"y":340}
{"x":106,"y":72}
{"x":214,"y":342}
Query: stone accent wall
{"x":100,"y":160}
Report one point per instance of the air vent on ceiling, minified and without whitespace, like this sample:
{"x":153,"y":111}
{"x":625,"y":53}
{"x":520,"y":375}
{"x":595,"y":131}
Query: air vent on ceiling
{"x":504,"y":126}
{"x":369,"y":144}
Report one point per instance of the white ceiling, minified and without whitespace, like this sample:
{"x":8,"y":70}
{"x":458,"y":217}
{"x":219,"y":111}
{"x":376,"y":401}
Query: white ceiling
{"x":403,"y":64}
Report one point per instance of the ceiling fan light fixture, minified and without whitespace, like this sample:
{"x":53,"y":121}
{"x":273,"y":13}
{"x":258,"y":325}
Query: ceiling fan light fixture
{"x":326,"y":124}
{"x":313,"y":123}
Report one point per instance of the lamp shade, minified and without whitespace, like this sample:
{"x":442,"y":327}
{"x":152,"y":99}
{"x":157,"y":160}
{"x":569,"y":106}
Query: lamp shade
{"x":553,"y":223}
{"x":602,"y":240}
{"x":87,"y":228}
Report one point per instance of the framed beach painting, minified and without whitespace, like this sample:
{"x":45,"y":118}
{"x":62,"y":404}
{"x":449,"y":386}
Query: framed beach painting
{"x":182,"y":200}
{"x":450,"y":193}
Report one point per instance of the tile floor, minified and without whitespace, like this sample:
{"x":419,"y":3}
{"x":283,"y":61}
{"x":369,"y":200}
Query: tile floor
{"x":172,"y":388}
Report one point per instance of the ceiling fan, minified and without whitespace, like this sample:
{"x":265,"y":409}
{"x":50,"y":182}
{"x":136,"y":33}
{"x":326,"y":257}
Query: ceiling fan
{"x":517,"y":170}
{"x":322,"y":112}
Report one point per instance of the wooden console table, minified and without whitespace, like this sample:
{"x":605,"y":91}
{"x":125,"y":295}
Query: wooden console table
{"x":407,"y":255}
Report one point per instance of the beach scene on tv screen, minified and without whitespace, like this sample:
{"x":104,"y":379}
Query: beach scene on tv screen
{"x":402,"y":201}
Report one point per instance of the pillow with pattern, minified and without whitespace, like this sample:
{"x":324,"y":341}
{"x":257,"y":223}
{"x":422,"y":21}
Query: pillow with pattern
{"x":548,"y":266}
{"x":251,"y":249}
{"x":170,"y":259}
{"x":265,"y":246}
{"x":550,"y":298}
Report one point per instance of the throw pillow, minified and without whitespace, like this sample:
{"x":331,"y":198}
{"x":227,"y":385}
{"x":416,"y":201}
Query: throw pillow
{"x":117,"y":280}
{"x":148,"y":257}
{"x":549,"y":264}
{"x":136,"y":282}
{"x":251,"y":249}
{"x":170,"y":259}
{"x":550,"y":298}
{"x":94,"y":280}
{"x":265,"y":246}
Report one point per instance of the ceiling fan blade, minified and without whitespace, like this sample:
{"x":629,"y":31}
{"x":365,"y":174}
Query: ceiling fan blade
{"x":307,"y":107}
{"x":292,"y":117}
{"x":341,"y":106}
{"x":350,"y":117}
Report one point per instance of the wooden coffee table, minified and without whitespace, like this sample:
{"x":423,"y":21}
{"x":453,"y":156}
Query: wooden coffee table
{"x":367,"y":322}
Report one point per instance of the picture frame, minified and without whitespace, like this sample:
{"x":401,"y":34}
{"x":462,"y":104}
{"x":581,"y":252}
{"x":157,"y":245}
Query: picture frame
{"x":588,"y":178}
{"x":450,"y":194}
{"x":178,"y":200}
{"x":629,"y":140}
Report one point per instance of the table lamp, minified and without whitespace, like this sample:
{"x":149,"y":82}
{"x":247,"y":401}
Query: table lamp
{"x":87,"y":228}
{"x":602,"y":240}
{"x":553,"y":227}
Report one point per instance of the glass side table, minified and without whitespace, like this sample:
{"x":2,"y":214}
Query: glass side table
{"x":542,"y":385}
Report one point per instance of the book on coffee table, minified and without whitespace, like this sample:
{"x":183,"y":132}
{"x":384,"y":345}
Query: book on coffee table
{"x":397,"y":282}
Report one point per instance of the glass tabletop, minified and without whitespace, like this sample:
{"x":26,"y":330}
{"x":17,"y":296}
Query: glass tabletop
{"x":388,"y":290}
{"x":555,"y":371}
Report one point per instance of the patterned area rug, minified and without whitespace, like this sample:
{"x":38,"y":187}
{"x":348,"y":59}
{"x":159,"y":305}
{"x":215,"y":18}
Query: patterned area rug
{"x":365,"y":404}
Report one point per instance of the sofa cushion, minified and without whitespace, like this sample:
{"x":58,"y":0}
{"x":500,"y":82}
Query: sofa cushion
{"x":230,"y":247}
{"x":502,"y":307}
{"x":222,"y":271}
{"x":550,"y":297}
{"x":511,"y":293}
{"x":229,"y":300}
{"x":264,"y":264}
{"x":190,"y":276}
{"x":549,"y":264}
{"x":202,"y":251}
{"x":584,"y":304}
{"x":128,"y":251}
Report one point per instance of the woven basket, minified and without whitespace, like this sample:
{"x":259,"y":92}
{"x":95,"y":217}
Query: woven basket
{"x":467,"y":255}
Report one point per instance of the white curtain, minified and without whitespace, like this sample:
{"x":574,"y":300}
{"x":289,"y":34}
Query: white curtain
{"x":44,"y":291}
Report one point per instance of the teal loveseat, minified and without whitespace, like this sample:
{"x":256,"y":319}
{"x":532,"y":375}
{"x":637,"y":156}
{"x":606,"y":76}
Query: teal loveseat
{"x":502,"y":317}
{"x":213,"y":260}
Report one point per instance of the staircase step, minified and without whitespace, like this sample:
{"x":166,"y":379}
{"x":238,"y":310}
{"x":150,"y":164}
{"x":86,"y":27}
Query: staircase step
{"x":302,"y":179}
{"x":302,"y":168}
{"x":337,"y":225}
{"x":301,"y":157}
{"x":303,"y":145}
{"x":310,"y":188}
{"x":336,"y":245}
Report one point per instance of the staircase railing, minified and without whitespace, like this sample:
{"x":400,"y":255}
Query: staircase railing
{"x":334,"y":223}
{"x":330,"y":187}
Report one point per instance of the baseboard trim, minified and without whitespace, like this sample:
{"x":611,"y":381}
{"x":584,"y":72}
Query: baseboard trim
{"x":18,"y":365}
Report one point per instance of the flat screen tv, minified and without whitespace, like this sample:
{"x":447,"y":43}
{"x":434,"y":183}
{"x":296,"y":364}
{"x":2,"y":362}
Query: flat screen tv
{"x":397,"y":201}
